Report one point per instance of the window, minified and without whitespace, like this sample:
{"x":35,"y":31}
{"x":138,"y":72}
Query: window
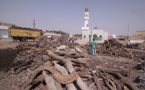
{"x":94,"y":36}
{"x":87,"y":25}
{"x":84,"y":36}
{"x":100,"y":37}
{"x":89,"y":38}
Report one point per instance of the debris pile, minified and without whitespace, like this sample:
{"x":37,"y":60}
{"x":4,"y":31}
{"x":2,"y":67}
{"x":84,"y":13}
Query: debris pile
{"x":113,"y":48}
{"x":33,"y":54}
{"x":73,"y":74}
{"x":45,"y":42}
{"x":52,"y":68}
{"x":142,"y":45}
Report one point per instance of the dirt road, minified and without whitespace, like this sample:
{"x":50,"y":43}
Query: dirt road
{"x":7,"y":43}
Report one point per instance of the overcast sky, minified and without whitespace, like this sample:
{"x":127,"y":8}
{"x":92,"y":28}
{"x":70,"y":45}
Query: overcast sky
{"x":67,"y":15}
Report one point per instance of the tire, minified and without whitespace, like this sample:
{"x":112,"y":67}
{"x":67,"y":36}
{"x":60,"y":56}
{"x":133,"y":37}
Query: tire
{"x":23,"y":39}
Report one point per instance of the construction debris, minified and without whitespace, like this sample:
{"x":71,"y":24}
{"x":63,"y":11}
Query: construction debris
{"x":142,"y":45}
{"x":43,"y":66}
{"x":62,"y":47}
{"x":113,"y":48}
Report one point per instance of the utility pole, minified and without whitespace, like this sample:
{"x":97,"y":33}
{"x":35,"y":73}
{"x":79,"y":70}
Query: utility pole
{"x":128,"y":32}
{"x":34,"y":24}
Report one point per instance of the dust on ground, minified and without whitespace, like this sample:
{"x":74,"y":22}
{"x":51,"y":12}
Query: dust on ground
{"x":7,"y":51}
{"x":7,"y":43}
{"x":7,"y":55}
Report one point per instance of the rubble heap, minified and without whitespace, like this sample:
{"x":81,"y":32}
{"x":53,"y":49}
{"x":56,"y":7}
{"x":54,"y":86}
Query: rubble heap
{"x":142,"y":45}
{"x":33,"y":54}
{"x":113,"y":48}
{"x":45,"y":42}
{"x":65,"y":68}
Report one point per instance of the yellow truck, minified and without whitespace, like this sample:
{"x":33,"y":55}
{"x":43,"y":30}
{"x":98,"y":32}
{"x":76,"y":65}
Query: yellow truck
{"x":22,"y":33}
{"x":74,"y":37}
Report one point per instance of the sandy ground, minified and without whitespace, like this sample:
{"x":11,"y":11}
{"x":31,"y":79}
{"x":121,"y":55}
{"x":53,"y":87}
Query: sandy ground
{"x":7,"y":43}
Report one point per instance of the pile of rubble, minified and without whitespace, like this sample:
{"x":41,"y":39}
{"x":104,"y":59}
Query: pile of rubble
{"x":45,"y":42}
{"x":59,"y":65}
{"x":33,"y":54}
{"x":142,"y":45}
{"x":113,"y":48}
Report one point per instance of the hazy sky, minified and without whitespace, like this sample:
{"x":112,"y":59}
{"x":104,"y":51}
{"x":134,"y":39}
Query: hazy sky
{"x":67,"y":15}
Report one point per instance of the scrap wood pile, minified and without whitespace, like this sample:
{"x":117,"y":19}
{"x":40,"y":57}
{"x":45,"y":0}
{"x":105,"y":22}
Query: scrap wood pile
{"x":45,"y":42}
{"x":113,"y":48}
{"x":33,"y":54}
{"x":74,"y":74}
{"x":17,"y":27}
{"x":65,"y":69}
{"x":57,"y":32}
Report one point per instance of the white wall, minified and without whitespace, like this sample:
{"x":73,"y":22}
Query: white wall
{"x":3,"y":33}
{"x":51,"y":34}
{"x":98,"y":32}
{"x":105,"y":35}
{"x":4,"y":27}
{"x":86,"y":33}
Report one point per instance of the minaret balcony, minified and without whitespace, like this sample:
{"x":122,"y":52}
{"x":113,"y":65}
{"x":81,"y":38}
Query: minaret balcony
{"x":86,"y":18}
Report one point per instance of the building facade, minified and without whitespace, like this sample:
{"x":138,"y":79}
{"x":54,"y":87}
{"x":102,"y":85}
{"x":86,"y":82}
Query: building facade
{"x":4,"y":32}
{"x":140,"y":32}
{"x":139,"y":35}
{"x":50,"y":33}
{"x":88,"y":34}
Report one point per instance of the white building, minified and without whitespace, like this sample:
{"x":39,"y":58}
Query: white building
{"x":49,"y":35}
{"x":70,"y":35}
{"x":4,"y":32}
{"x":88,"y":34}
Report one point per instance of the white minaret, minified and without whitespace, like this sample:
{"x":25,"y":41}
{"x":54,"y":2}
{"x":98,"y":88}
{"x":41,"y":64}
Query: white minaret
{"x":86,"y":19}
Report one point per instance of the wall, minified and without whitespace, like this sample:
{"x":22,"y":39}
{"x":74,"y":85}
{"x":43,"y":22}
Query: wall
{"x":98,"y":32}
{"x":86,"y":33}
{"x":105,"y":35}
{"x":137,"y":37}
{"x":3,"y":33}
{"x":140,"y":32}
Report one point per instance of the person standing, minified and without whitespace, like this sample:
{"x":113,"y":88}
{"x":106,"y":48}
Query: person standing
{"x":69,"y":40}
{"x":93,"y":44}
{"x":90,"y":48}
{"x":73,"y":40}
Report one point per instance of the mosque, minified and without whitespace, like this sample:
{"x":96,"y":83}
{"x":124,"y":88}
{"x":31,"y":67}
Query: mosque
{"x":88,"y":34}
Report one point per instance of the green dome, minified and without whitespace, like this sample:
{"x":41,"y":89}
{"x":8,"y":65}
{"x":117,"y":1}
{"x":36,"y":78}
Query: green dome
{"x":86,"y":9}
